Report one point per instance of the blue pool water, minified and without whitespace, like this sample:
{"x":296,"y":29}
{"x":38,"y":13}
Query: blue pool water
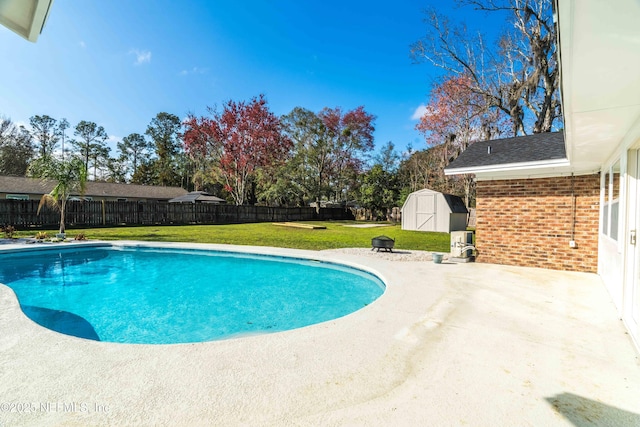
{"x":161,"y":296}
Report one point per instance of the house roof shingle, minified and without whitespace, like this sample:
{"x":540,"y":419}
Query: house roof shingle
{"x":22,"y":185}
{"x":538,"y":147}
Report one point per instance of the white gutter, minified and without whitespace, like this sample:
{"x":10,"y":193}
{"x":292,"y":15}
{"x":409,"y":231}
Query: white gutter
{"x":509,"y":167}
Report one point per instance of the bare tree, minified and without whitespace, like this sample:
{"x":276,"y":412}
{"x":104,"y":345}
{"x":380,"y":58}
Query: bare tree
{"x":456,"y":117}
{"x":519,"y":77}
{"x":416,"y":170}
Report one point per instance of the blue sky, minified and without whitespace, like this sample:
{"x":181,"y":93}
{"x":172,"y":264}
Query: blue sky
{"x":120,"y":62}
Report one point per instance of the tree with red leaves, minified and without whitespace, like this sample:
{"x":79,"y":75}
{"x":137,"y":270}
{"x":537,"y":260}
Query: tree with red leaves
{"x":240,"y":139}
{"x":328,"y":152}
{"x":199,"y":146}
{"x":455,"y":112}
{"x":455,"y":117}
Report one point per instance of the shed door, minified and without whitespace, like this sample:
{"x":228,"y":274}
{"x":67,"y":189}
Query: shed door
{"x":426,"y":212}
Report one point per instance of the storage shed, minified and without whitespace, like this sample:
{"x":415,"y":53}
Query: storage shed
{"x":428,"y":210}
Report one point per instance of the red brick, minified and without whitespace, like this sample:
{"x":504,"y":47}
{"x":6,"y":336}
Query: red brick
{"x":532,"y":225}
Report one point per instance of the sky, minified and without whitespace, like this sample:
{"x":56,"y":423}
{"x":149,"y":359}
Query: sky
{"x":119,"y":62}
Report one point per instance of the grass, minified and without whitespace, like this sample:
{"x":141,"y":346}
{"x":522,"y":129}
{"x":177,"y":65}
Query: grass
{"x":336,"y":235}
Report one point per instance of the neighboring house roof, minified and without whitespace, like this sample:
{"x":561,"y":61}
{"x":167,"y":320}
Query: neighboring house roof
{"x":110,"y":189}
{"x":197,"y":197}
{"x":22,"y":185}
{"x":542,"y":150}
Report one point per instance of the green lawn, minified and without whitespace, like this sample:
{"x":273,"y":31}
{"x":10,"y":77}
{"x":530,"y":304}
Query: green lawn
{"x":336,"y":235}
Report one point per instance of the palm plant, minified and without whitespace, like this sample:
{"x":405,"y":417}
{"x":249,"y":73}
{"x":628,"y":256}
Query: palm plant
{"x":70,"y":177}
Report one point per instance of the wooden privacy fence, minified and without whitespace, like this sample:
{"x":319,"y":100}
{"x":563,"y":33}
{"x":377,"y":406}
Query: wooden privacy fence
{"x":22,"y":214}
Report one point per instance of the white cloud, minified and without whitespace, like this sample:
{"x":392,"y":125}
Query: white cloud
{"x":142,"y":56}
{"x":194,"y":70}
{"x":419,"y":112}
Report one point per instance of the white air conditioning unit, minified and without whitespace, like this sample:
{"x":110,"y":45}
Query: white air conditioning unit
{"x":461,"y":244}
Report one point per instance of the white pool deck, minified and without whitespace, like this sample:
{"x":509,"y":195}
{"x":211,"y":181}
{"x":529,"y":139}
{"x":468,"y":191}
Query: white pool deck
{"x":445,"y":345}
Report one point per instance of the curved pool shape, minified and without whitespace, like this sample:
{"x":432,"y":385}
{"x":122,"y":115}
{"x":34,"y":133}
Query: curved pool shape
{"x":163,"y":296}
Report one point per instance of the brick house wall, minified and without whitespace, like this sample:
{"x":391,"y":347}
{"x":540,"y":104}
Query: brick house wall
{"x":528,"y":222}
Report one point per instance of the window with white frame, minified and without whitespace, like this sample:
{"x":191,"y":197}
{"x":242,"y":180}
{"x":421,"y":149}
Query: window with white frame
{"x":611,"y":205}
{"x":17,"y":197}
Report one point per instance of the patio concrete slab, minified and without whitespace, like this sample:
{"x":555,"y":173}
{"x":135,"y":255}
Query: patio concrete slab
{"x":447,"y":344}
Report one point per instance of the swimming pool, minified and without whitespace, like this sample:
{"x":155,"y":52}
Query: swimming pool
{"x":160,"y":295}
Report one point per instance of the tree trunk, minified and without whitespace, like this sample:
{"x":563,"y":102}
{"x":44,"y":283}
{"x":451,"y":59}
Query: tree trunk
{"x":63,"y":204}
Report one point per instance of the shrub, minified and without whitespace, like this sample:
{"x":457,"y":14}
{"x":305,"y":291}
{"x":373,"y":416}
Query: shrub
{"x":41,"y":235}
{"x":80,"y":236}
{"x":9,"y":231}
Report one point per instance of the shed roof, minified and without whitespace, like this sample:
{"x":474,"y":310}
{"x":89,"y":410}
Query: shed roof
{"x":455,"y":203}
{"x":18,"y":184}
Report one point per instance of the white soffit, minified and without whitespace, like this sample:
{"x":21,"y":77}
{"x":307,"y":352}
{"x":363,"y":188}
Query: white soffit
{"x":549,"y":172}
{"x":25,"y":17}
{"x":600,"y":64}
{"x":512,"y":167}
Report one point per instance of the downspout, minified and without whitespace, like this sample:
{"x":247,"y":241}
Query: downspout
{"x":573,"y":213}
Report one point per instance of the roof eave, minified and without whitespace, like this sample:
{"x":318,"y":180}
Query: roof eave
{"x":506,"y":167}
{"x":25,"y":18}
{"x":599,"y":57}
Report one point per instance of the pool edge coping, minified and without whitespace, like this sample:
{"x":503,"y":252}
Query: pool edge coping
{"x":265,"y":251}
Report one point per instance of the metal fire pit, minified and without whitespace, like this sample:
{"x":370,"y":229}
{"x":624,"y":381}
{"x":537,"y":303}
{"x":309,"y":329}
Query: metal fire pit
{"x":382,"y":242}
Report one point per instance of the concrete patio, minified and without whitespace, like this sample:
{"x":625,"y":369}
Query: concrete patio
{"x":446,"y":345}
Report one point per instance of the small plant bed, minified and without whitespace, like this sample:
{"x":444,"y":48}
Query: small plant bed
{"x":9,"y":231}
{"x":300,"y":225}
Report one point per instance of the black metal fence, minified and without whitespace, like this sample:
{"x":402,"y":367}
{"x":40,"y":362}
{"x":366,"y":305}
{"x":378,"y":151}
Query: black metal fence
{"x":22,"y":214}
